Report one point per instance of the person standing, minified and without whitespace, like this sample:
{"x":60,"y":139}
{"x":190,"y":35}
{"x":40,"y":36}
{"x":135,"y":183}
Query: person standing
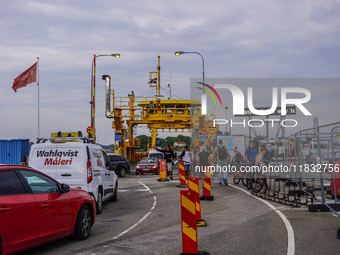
{"x":260,"y":158}
{"x":266,"y":160}
{"x":203,"y":159}
{"x":169,"y":155}
{"x":237,"y":157}
{"x":222,"y":156}
{"x":251,"y":152}
{"x":267,"y":155}
{"x":186,"y":157}
{"x":195,"y":158}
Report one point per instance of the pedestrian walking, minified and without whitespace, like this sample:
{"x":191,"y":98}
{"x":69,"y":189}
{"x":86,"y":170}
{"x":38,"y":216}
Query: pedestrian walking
{"x":251,"y":152}
{"x":169,"y":155}
{"x":195,"y":158}
{"x":222,"y":157}
{"x":186,"y":157}
{"x":237,"y":157}
{"x":203,"y":159}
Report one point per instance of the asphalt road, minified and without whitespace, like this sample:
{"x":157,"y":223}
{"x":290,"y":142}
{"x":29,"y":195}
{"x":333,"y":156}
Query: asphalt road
{"x":146,"y":220}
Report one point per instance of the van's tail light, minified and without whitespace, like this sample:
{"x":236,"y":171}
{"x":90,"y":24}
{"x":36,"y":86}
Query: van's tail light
{"x":89,"y":172}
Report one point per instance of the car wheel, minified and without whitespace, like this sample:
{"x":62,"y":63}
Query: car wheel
{"x":122,"y":172}
{"x":83,"y":226}
{"x":99,"y":202}
{"x":114,"y":198}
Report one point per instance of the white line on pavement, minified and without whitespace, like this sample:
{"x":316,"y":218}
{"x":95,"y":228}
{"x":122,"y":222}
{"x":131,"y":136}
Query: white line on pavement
{"x":290,"y":231}
{"x":142,"y":219}
{"x":132,"y":190}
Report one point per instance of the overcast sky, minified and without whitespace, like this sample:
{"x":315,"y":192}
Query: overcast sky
{"x":237,"y":39}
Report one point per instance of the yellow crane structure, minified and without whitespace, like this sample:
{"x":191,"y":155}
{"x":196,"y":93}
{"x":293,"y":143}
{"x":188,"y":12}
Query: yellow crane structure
{"x":159,"y":115}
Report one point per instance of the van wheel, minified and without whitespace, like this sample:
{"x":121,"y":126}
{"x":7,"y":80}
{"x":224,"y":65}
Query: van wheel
{"x":114,"y":198}
{"x":122,"y":172}
{"x":83,"y":226}
{"x":99,"y":202}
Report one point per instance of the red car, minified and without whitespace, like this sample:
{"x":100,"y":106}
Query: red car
{"x":147,"y":165}
{"x":36,"y":209}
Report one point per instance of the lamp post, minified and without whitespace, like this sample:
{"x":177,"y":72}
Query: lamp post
{"x":204,"y":99}
{"x":226,"y":117}
{"x":93,"y":90}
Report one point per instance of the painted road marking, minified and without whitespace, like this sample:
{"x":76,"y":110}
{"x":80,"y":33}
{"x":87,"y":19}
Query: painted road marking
{"x":144,"y":217}
{"x":290,"y":231}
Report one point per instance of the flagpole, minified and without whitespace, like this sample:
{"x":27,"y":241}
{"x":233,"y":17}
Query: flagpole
{"x":38,"y":99}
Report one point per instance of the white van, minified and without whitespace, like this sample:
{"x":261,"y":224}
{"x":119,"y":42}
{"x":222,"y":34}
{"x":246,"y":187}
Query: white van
{"x":155,"y":154}
{"x":80,"y":165}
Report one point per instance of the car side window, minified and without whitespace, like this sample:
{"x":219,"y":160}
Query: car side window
{"x":113,"y":158}
{"x":106,"y":160}
{"x":10,"y":184}
{"x":40,"y":183}
{"x":98,"y":158}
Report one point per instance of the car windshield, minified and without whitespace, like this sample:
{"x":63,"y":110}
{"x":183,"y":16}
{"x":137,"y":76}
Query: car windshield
{"x":148,"y":160}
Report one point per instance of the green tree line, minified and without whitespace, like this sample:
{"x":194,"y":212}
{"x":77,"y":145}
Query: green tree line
{"x":162,"y":142}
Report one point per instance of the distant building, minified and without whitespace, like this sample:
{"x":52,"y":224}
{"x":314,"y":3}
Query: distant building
{"x":179,"y":144}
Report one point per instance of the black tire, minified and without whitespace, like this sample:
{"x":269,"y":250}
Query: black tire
{"x":122,"y":172}
{"x":237,"y":177}
{"x":245,"y":181}
{"x":83,"y":225}
{"x":114,"y":198}
{"x":99,"y":202}
{"x":257,"y":185}
{"x":249,"y":182}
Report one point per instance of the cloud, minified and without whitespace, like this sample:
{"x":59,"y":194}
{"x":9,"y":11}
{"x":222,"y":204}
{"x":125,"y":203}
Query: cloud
{"x":236,"y":38}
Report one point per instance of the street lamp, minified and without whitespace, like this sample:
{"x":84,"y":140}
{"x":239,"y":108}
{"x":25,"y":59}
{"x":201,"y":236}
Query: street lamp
{"x":204,"y":99}
{"x":93,"y":89}
{"x":226,"y":117}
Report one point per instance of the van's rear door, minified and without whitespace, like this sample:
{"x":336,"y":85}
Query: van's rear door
{"x":42,"y":157}
{"x":72,"y":165}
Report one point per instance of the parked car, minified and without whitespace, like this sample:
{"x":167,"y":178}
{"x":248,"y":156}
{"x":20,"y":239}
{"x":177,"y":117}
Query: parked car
{"x":78,"y":164}
{"x":147,"y":165}
{"x":36,"y":209}
{"x":121,"y":163}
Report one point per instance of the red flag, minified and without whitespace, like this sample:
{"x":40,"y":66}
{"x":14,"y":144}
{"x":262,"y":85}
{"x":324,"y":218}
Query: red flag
{"x":27,"y":77}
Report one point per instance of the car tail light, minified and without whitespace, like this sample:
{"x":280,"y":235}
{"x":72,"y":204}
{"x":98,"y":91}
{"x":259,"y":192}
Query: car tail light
{"x":89,"y":172}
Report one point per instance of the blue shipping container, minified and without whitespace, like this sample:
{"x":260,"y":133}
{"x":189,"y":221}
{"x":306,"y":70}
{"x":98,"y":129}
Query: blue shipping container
{"x":14,"y":151}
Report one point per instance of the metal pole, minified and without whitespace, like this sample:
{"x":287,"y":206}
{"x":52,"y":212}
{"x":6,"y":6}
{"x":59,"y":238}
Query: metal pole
{"x":38,"y":98}
{"x":323,"y":198}
{"x":93,"y":91}
{"x":226,"y":117}
{"x":334,"y":172}
{"x":267,"y":128}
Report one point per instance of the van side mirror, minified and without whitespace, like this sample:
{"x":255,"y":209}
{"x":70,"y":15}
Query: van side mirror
{"x":65,"y":188}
